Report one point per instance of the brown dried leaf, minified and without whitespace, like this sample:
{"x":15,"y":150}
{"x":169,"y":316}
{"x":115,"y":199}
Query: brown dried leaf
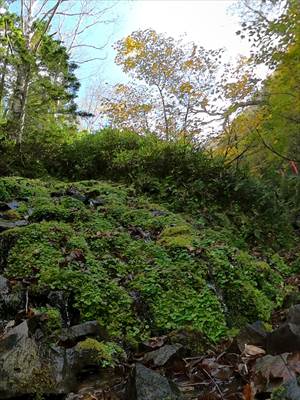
{"x":269,"y":369}
{"x":253,"y":351}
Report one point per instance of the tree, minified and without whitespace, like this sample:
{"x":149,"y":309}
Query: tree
{"x":128,"y":107}
{"x":181,"y":78}
{"x":269,"y":129}
{"x":37,"y":82}
{"x":41,"y":80}
{"x":271,"y":26}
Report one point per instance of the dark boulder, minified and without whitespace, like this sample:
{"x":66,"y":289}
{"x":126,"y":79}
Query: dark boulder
{"x":145,"y":384}
{"x":286,"y":338}
{"x":165,"y":355}
{"x":4,"y":206}
{"x":76,"y":333}
{"x":254,"y":334}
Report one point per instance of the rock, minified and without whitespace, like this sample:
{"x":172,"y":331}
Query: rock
{"x":165,"y":355}
{"x":4,"y":225}
{"x":254,"y":334}
{"x":284,"y":339}
{"x":293,"y":316}
{"x":13,"y":205}
{"x":11,"y":300}
{"x":3,"y":284}
{"x":4,"y":206}
{"x":79,"y":332}
{"x":96,"y":202}
{"x":29,"y":366}
{"x":288,"y":391}
{"x":76,"y":194}
{"x":145,"y":384}
{"x":158,"y":213}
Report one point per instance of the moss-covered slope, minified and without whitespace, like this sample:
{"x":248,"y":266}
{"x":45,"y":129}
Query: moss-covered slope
{"x":137,"y":268}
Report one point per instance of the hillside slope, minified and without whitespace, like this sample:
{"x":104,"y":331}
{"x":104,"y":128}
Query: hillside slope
{"x":137,"y":268}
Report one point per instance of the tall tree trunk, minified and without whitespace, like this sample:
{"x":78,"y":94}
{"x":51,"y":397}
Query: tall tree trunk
{"x":2,"y":81}
{"x":18,"y":108}
{"x":164,"y":112}
{"x":24,"y":98}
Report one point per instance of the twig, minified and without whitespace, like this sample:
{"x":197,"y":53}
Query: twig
{"x":214,"y":382}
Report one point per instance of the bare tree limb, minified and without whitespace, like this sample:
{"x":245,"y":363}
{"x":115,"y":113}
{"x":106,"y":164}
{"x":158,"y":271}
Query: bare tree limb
{"x":273,"y":150}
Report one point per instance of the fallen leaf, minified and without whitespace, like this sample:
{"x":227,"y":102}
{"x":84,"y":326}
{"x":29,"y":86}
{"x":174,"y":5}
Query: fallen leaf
{"x":253,"y":351}
{"x":271,"y":370}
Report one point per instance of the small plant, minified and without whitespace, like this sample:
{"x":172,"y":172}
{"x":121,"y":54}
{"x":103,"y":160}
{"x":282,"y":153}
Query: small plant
{"x":106,"y":354}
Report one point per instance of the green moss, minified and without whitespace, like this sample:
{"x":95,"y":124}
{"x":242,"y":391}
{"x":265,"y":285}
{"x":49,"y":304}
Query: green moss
{"x":137,"y":268}
{"x":177,"y":236}
{"x":53,"y":321}
{"x":106,"y":354}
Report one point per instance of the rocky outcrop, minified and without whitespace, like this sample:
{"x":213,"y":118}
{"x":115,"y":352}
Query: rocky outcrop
{"x":29,"y":365}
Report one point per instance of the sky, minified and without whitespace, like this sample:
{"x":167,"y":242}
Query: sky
{"x":208,"y":23}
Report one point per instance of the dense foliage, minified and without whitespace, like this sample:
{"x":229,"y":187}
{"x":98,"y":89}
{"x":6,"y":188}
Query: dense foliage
{"x":177,"y":235}
{"x":136,"y":267}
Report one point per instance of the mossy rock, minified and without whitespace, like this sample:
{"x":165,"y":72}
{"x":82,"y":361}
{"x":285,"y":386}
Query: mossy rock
{"x":105,"y":354}
{"x":177,"y":236}
{"x":138,"y":272}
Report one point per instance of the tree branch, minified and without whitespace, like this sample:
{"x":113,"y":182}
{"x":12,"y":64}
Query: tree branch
{"x":273,"y":150}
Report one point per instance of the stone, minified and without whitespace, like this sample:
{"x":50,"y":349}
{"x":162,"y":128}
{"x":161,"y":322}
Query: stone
{"x":76,"y":194}
{"x":11,"y":300}
{"x":254,"y":334}
{"x":79,"y":332}
{"x":96,"y":202}
{"x":145,"y":384}
{"x":158,"y":213}
{"x":13,"y":205}
{"x":284,"y":339}
{"x":4,"y":206}
{"x":293,"y":316}
{"x":29,"y":366}
{"x":4,"y":286}
{"x":165,"y":355}
{"x":4,"y":224}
